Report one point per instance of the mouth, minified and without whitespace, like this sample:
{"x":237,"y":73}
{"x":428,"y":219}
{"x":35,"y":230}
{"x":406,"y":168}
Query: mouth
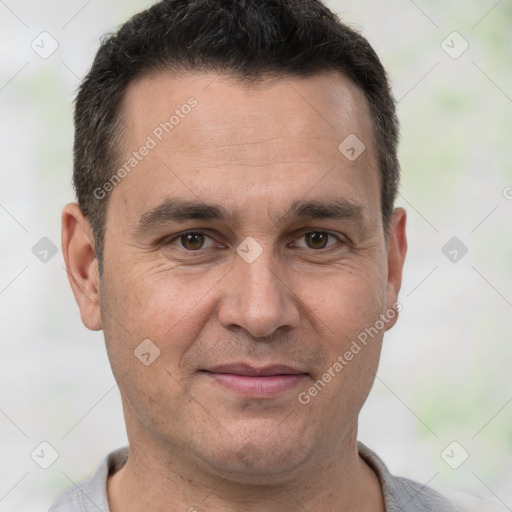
{"x":256,"y":382}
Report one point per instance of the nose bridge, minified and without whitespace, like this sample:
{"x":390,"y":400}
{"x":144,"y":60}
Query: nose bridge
{"x":260,"y":280}
{"x":258,"y":299}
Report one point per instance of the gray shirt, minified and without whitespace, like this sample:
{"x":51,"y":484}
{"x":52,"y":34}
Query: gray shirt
{"x":400,"y":494}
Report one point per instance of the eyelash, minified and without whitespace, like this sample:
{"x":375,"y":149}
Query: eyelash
{"x":169,"y":241}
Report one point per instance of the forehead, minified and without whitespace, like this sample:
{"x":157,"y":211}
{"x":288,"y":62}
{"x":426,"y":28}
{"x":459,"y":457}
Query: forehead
{"x":325,"y":104}
{"x":216,"y":138}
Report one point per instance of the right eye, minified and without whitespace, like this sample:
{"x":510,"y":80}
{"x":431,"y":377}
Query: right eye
{"x":190,"y":240}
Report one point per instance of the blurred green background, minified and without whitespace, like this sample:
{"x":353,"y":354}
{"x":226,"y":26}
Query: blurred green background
{"x":445,"y":374}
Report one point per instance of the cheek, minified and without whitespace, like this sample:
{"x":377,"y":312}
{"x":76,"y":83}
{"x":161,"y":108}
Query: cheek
{"x":343,"y":304}
{"x":164,"y":305}
{"x":166,"y":309}
{"x":342,"y":312}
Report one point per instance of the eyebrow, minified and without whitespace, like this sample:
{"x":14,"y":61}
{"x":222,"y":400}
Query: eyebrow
{"x":175,"y":210}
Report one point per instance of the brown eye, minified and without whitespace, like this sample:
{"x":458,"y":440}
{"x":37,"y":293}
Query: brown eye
{"x":192,"y":241}
{"x":316,"y":239}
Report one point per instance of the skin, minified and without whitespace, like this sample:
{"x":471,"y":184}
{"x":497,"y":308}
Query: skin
{"x":253,"y":150}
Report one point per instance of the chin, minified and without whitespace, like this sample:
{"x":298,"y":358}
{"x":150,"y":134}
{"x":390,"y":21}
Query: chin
{"x":260,"y":458}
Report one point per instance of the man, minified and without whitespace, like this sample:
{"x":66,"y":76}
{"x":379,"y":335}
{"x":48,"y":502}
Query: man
{"x":235,"y":238}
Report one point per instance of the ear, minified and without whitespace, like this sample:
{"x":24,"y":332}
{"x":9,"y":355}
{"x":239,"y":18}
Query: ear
{"x":397,"y":249}
{"x":81,"y":264}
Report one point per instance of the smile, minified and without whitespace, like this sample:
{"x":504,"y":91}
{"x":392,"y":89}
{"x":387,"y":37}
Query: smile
{"x":257,"y":386}
{"x":256,"y":383}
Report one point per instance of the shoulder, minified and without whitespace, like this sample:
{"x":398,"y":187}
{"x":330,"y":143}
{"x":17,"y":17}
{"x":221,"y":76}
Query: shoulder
{"x":91,"y":494}
{"x":409,"y":495}
{"x":402,"y":494}
{"x":82,"y":497}
{"x":405,"y":495}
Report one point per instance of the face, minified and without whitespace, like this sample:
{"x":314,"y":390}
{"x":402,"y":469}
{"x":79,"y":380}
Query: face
{"x":243,"y":237}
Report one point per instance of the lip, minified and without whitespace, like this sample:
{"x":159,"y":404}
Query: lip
{"x":253,"y":371}
{"x":256,"y":382}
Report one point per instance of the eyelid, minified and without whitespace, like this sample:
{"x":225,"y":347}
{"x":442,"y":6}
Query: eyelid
{"x":171,"y":239}
{"x":301,"y":233}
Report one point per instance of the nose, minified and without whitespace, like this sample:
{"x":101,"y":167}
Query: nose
{"x":257,"y":298}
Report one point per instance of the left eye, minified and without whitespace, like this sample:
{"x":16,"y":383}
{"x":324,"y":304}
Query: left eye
{"x":193,"y":240}
{"x":317,"y":239}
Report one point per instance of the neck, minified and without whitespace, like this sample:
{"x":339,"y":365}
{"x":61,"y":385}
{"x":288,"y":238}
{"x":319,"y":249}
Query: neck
{"x":156,"y":478}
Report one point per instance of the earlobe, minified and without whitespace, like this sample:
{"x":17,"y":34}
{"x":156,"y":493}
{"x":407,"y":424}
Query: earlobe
{"x":397,"y":250}
{"x":81,"y":264}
